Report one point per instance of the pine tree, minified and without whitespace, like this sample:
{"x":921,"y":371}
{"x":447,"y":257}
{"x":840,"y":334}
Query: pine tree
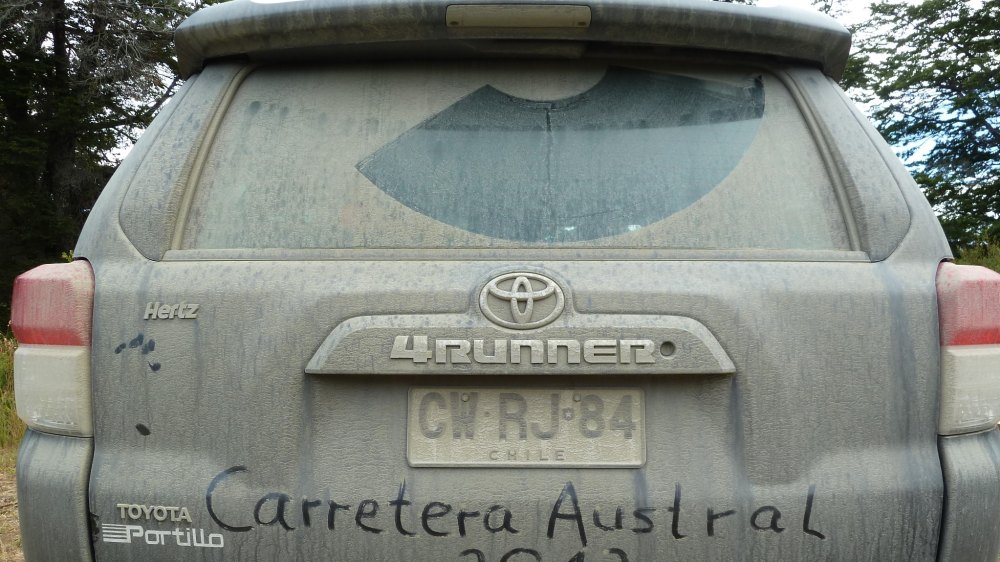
{"x":78,"y":80}
{"x":930,"y":74}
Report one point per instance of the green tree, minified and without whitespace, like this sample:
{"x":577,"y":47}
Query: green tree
{"x":930,"y":75}
{"x":78,"y":80}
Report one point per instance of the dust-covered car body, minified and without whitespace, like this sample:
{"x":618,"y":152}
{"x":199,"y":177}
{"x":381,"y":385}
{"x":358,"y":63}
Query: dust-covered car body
{"x":430,"y":281}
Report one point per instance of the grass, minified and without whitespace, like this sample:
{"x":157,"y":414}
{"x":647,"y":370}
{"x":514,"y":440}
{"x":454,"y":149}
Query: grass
{"x":986,"y":255}
{"x":8,"y":457}
{"x":10,"y":531}
{"x":11,"y":430}
{"x":11,"y":427}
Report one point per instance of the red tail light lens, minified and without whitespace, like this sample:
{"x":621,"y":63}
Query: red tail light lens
{"x":53,"y":304}
{"x":968,"y":304}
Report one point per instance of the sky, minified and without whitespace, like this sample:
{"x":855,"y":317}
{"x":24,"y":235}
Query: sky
{"x":847,"y":12}
{"x":851,"y":12}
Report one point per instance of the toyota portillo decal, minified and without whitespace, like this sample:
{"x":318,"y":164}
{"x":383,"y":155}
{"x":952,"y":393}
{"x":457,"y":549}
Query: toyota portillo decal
{"x":178,"y":532}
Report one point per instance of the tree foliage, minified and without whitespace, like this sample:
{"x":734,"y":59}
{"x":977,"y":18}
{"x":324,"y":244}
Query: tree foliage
{"x":78,"y":79}
{"x":930,"y":74}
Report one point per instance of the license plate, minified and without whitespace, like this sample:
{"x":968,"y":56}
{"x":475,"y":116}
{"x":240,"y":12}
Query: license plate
{"x":538,"y":427}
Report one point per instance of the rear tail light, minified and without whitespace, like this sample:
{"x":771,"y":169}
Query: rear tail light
{"x":969,"y":312}
{"x":51,"y":314}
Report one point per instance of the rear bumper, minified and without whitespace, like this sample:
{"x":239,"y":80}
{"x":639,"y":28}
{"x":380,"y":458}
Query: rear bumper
{"x":53,"y":473}
{"x":52,"y":476}
{"x":970,"y":529}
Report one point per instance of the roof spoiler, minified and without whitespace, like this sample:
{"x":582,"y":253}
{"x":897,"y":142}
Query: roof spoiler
{"x":301,"y":29}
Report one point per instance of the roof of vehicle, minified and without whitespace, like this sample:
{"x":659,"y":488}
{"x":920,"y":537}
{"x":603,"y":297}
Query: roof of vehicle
{"x":302,"y":29}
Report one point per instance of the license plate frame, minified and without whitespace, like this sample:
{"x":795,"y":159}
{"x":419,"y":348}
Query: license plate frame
{"x":527,"y":427}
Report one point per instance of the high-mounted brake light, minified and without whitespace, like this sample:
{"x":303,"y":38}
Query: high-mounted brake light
{"x":51,"y":315}
{"x":969,"y":313}
{"x":518,"y":15}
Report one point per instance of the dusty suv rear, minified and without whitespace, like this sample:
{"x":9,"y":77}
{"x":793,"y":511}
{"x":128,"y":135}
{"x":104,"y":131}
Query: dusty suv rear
{"x":509,"y":282}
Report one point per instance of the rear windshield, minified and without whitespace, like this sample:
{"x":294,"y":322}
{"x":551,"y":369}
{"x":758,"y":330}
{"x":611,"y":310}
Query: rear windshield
{"x":491,"y":154}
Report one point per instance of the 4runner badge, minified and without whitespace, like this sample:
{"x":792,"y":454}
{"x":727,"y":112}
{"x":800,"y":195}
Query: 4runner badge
{"x":522,"y":300}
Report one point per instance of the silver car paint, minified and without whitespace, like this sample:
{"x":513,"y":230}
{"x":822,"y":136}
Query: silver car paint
{"x":829,"y":418}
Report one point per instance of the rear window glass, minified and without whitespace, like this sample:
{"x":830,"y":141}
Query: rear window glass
{"x":513,"y":154}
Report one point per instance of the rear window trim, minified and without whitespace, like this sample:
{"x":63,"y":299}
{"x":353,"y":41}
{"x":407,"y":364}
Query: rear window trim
{"x":514,"y":254}
{"x":854,"y":253}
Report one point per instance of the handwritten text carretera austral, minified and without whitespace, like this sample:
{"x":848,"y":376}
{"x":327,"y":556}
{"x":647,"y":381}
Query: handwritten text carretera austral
{"x":441,"y":519}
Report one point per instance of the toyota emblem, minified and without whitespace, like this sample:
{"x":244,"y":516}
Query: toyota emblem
{"x":522,"y":300}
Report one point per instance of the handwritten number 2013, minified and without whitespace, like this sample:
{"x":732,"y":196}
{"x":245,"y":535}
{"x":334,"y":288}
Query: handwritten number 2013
{"x":480,"y":557}
{"x":532,"y":554}
{"x":622,"y":557}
